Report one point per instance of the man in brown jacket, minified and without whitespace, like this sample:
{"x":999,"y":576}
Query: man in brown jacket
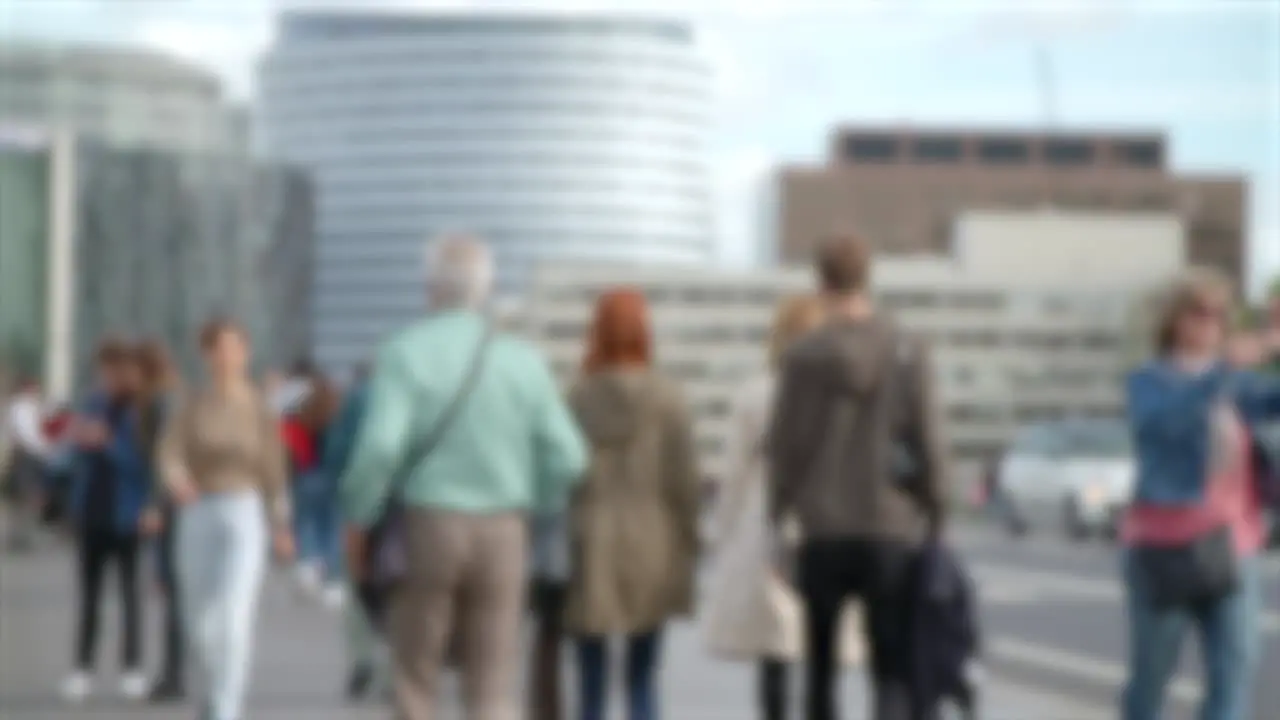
{"x":855,"y":460}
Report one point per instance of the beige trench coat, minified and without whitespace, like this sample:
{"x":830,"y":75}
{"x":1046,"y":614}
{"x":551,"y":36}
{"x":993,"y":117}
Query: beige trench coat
{"x":751,"y":613}
{"x":634,"y":519}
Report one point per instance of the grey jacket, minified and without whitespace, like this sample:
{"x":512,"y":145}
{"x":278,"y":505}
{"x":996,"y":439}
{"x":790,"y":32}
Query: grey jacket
{"x":848,"y":394}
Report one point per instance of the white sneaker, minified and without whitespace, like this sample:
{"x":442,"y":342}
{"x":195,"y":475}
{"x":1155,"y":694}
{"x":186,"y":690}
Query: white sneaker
{"x":308,"y":578}
{"x":77,"y":687}
{"x":134,"y":685}
{"x":334,"y":597}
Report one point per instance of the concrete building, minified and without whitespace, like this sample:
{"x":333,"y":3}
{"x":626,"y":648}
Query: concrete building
{"x":555,"y":137}
{"x":903,"y":188}
{"x":122,"y":96}
{"x":143,"y":243}
{"x":1009,"y":349}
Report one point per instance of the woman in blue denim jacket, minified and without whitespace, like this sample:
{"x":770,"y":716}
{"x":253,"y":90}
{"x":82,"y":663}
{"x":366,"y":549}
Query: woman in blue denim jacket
{"x":109,"y":495}
{"x":1192,"y":416}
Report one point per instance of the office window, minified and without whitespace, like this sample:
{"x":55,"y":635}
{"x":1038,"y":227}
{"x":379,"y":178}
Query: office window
{"x":870,"y":148}
{"x":939,"y":150}
{"x":1139,"y":153}
{"x":1068,"y":152}
{"x":1004,"y":151}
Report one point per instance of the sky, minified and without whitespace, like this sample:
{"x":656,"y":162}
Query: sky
{"x":1206,"y":72}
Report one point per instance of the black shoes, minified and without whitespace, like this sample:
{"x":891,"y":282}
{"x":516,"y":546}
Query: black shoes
{"x":359,"y":682}
{"x":167,"y":691}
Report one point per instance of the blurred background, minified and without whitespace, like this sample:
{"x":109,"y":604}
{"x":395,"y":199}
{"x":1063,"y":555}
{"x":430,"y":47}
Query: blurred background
{"x":1028,"y":173}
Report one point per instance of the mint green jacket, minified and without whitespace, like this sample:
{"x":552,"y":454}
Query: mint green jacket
{"x":513,"y":445}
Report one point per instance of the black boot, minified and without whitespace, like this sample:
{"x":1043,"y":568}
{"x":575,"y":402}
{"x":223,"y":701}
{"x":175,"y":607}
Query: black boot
{"x":892,"y":701}
{"x":359,"y":682}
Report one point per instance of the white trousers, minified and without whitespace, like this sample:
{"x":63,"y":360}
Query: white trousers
{"x":222,"y":557}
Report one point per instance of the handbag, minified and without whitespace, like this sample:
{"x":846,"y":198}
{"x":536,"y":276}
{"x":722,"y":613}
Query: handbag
{"x":386,"y":555}
{"x":1191,"y":574}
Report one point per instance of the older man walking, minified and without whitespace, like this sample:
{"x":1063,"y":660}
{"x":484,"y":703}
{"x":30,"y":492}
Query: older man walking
{"x":511,"y":449}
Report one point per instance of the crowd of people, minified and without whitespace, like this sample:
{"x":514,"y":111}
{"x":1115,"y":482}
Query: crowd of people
{"x":457,"y":472}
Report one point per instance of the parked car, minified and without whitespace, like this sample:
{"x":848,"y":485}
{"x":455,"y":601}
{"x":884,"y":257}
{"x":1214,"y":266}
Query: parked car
{"x":1075,"y":475}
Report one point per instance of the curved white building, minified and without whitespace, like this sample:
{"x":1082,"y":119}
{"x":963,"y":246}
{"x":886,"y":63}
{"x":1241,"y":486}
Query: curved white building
{"x":574,"y":138}
{"x":122,"y":96}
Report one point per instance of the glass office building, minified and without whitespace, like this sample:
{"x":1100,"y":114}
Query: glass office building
{"x":553,"y":137}
{"x":24,"y":256}
{"x":98,"y":241}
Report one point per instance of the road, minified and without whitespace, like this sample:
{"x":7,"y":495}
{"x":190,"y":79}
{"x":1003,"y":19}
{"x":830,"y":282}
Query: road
{"x":1052,"y":614}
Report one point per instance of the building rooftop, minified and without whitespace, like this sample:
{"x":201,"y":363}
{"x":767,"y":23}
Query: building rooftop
{"x":331,"y":24}
{"x":105,"y":61}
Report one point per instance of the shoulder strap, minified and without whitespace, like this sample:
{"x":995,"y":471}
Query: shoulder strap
{"x":427,"y":443}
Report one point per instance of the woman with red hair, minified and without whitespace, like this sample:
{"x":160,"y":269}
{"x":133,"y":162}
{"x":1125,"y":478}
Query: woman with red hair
{"x":634,"y":519}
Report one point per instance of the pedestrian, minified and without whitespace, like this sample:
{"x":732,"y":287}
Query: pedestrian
{"x":847,"y":392}
{"x":29,"y":459}
{"x":365,"y":671}
{"x":57,"y":481}
{"x":1194,"y":531}
{"x":108,"y":500}
{"x":753,"y":613}
{"x":303,"y":461}
{"x":285,"y":392}
{"x":223,"y":464}
{"x":508,"y":448}
{"x":156,"y":398}
{"x":317,"y":520}
{"x":636,"y":535}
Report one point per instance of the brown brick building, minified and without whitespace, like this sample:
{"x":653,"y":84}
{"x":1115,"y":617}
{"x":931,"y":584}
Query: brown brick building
{"x":903,"y":188}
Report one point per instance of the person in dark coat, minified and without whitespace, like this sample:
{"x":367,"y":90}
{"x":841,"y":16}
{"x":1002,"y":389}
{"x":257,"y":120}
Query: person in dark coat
{"x":109,"y":499}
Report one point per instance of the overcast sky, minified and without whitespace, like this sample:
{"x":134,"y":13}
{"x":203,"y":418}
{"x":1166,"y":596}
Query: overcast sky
{"x":1205,"y":71}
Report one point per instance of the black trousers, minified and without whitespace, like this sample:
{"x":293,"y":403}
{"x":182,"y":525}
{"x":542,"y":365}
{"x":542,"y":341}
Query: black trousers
{"x":97,"y":550}
{"x":878,"y":573}
{"x":773,"y":680}
{"x":172,"y":670}
{"x":546,"y":685}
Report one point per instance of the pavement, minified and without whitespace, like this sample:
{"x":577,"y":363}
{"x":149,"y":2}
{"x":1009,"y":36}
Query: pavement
{"x":1054,"y":619}
{"x":1052,"y":616}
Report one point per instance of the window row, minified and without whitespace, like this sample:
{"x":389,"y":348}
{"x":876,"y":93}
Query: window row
{"x":283,"y":115}
{"x":1064,"y":152}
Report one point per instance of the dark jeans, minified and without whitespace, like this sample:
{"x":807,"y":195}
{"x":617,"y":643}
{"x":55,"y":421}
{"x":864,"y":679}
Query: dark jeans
{"x":172,"y":670}
{"x":878,"y":573}
{"x":546,"y":694}
{"x":641,"y":670}
{"x":96,"y":550}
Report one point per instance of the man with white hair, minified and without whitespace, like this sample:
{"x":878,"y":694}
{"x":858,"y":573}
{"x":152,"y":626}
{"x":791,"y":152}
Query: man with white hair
{"x":505,"y":447}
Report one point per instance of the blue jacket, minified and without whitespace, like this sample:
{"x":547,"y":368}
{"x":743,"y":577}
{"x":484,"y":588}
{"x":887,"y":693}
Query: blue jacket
{"x":132,"y":469}
{"x":1169,"y":415}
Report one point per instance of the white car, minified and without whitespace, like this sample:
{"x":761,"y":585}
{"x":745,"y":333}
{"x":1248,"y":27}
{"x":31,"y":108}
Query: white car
{"x":1076,"y":475}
